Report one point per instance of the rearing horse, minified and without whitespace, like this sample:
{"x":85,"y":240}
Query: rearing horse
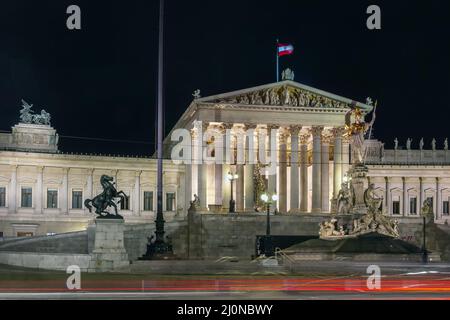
{"x":106,"y":199}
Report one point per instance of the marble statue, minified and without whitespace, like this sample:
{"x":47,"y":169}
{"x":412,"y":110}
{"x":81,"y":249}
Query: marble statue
{"x":330,"y":229}
{"x":287,"y":74}
{"x":357,"y":131}
{"x":395,"y":144}
{"x":195,"y":204}
{"x":344,"y":199}
{"x":408,"y":143}
{"x":446,"y":144}
{"x":427,"y":207}
{"x":196,"y":94}
{"x":369,"y":101}
{"x":421,"y":144}
{"x":433,"y":144}
{"x":372,"y":201}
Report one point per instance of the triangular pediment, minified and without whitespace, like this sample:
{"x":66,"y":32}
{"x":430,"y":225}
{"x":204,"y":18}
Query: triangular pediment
{"x":285,"y":93}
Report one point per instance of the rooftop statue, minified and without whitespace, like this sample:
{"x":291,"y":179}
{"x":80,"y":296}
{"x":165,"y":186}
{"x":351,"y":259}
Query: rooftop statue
{"x":433,"y":144}
{"x":408,"y":143}
{"x":287,"y":74}
{"x":421,"y":144}
{"x":446,"y":144}
{"x":395,"y":144}
{"x":196,"y":94}
{"x":356,"y":131}
{"x":27,"y":115}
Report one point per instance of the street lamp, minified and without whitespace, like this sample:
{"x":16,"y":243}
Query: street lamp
{"x":268,"y":244}
{"x":231,"y":177}
{"x":424,"y":245}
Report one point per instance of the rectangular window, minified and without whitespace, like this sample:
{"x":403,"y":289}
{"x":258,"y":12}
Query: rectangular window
{"x":445,"y":208}
{"x":148,"y":200}
{"x":77,"y":199}
{"x":52,"y":198}
{"x":2,"y":197}
{"x":170,"y":201}
{"x":125,"y":203}
{"x":395,"y":207}
{"x":27,"y":198}
{"x":413,"y":205}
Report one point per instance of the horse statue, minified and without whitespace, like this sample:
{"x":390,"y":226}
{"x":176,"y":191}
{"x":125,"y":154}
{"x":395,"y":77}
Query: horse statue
{"x":106,"y":199}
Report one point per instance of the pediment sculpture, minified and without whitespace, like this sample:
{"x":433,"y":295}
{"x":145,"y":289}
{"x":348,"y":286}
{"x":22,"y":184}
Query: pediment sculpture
{"x":284,"y":95}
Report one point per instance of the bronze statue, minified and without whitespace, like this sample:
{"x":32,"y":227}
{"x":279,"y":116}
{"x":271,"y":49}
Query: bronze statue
{"x":106,"y":199}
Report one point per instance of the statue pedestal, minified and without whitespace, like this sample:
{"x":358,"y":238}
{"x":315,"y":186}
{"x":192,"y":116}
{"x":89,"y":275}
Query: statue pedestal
{"x":358,"y":174}
{"x":109,"y":251}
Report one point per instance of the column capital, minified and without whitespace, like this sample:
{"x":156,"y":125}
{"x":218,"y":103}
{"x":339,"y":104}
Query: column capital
{"x":205,"y":125}
{"x":138,"y":173}
{"x":272,"y":126}
{"x":65,"y":170}
{"x":227,"y":125}
{"x":316,"y":131}
{"x":326,"y":137}
{"x":40,"y":169}
{"x":304,"y":138}
{"x":14,"y":167}
{"x":295,"y":129}
{"x":337,"y":132}
{"x":438,"y":179}
{"x":90,"y":171}
{"x":283,"y":136}
{"x":387,"y":179}
{"x":248,"y":126}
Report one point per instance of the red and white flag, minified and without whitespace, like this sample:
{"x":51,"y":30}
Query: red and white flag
{"x":285,"y":49}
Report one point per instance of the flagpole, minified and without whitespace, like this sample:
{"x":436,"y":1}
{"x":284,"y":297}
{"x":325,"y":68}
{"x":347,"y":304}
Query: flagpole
{"x":278,"y":64}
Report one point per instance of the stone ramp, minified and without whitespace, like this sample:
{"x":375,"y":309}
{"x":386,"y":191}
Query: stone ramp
{"x":199,"y":267}
{"x":71,"y":242}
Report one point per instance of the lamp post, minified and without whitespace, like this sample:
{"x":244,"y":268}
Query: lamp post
{"x":231,"y":177}
{"x":424,"y":246}
{"x":268,"y":244}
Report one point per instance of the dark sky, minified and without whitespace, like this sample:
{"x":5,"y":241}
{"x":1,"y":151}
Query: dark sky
{"x":101,"y":81}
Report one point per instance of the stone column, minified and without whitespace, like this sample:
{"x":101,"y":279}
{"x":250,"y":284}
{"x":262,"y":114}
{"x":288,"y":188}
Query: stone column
{"x":12,"y":202}
{"x":304,"y":172}
{"x":240,"y":142}
{"x":137,"y":193}
{"x":272,"y":179}
{"x":405,"y":196}
{"x":202,"y":172}
{"x":295,"y":203}
{"x":388,"y":195}
{"x":65,"y":192}
{"x":316,"y":163}
{"x":325,"y":172}
{"x":337,"y":161}
{"x":226,"y":167}
{"x":419,"y":207}
{"x":89,"y":188}
{"x":38,"y":207}
{"x":438,"y":211}
{"x":282,"y":194}
{"x":345,"y":155}
{"x":249,"y":167}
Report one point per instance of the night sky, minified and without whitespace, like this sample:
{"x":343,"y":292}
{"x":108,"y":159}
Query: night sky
{"x":100,"y":81}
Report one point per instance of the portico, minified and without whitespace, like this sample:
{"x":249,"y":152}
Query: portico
{"x":294,"y":129}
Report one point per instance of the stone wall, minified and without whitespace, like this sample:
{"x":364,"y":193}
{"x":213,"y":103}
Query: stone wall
{"x":211,"y":236}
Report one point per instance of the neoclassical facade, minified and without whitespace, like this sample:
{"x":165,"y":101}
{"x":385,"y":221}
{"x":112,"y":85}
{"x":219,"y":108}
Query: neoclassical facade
{"x":42,"y":190}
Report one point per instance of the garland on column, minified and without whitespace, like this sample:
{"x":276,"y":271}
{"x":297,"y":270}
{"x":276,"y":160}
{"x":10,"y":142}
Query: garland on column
{"x":259,"y":186}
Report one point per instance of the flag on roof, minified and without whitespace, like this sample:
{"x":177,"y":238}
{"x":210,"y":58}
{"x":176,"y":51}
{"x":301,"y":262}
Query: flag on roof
{"x":285,"y":49}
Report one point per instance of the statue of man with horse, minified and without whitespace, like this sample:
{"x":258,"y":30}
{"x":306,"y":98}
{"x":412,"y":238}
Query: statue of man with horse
{"x":106,"y":199}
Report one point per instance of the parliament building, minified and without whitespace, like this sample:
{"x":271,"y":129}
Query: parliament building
{"x":43,"y":189}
